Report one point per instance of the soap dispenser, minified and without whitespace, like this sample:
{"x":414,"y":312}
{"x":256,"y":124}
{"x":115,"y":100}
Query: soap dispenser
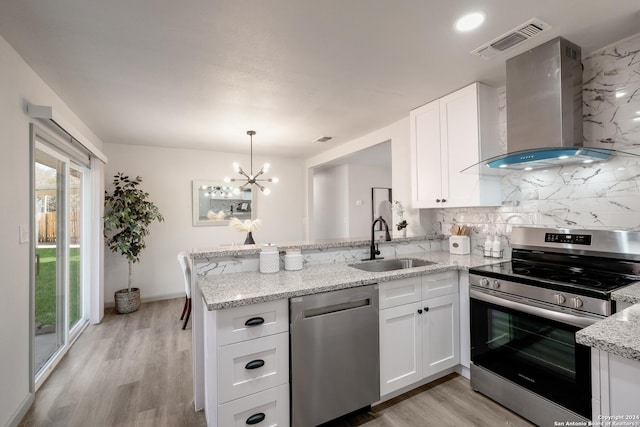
{"x":488,"y":246}
{"x":496,"y":247}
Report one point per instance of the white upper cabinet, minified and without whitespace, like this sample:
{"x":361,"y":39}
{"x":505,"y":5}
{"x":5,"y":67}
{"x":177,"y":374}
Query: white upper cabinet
{"x":449,"y":135}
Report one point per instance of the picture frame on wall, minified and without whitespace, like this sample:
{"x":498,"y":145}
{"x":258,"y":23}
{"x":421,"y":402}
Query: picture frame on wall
{"x":381,"y":206}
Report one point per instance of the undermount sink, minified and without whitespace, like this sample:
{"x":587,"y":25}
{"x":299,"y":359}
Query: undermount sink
{"x":391,"y":264}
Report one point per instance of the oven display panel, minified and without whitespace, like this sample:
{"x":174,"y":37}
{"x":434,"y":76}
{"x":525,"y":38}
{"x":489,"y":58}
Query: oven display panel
{"x":573,"y":239}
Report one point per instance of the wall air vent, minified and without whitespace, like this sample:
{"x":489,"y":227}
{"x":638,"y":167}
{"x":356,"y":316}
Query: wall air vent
{"x":512,"y":38}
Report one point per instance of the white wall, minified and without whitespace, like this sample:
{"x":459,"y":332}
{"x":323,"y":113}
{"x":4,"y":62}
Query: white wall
{"x":398,"y":134}
{"x":167,"y":174}
{"x":342,"y":199}
{"x":361,"y":179}
{"x":18,"y":85}
{"x":330,"y":203}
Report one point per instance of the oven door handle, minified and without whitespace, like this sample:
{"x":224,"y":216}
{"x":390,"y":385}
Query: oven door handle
{"x":571,"y":319}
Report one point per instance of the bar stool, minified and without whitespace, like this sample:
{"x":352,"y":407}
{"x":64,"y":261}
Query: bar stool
{"x":184,"y":264}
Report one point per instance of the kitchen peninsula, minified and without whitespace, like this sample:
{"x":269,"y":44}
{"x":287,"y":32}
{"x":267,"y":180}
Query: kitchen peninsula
{"x":615,"y":360}
{"x":227,"y":280}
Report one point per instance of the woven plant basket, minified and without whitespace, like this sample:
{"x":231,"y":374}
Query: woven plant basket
{"x":127,"y":301}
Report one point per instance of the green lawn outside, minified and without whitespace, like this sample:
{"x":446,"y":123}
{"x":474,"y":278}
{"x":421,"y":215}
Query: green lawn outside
{"x":45,"y":304}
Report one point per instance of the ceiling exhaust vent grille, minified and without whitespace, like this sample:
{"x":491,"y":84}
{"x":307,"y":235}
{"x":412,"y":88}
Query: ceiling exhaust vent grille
{"x":512,"y":38}
{"x":323,"y":139}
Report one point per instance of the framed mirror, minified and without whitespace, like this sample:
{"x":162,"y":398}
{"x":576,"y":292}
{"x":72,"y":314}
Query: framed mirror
{"x":216,"y":202}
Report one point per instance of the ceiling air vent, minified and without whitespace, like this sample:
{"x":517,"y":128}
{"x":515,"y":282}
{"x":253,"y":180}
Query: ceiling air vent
{"x":323,"y":139}
{"x":512,"y":38}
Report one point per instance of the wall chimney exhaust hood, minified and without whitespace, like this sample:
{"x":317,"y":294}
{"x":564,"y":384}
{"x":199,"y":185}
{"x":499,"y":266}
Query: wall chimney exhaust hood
{"x":544,"y":111}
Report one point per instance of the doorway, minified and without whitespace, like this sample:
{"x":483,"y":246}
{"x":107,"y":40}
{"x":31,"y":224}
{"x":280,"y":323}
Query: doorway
{"x":59,"y":285}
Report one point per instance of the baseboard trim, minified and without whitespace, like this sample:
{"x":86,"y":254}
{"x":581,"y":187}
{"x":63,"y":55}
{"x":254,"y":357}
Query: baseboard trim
{"x":109,"y":304}
{"x":464,"y":371}
{"x":22,"y":410}
{"x":417,"y":384}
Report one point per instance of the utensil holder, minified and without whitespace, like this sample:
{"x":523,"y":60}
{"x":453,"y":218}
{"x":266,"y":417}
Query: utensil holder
{"x":459,"y":245}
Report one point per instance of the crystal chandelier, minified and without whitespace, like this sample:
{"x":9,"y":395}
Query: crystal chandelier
{"x":250,"y":178}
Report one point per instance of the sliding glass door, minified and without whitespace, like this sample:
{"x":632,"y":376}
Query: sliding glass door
{"x":59,"y":291}
{"x":76,"y":294}
{"x":49,"y":258}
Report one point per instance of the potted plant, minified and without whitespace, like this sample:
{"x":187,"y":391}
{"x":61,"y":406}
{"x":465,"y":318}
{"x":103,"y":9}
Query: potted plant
{"x":128,"y":214}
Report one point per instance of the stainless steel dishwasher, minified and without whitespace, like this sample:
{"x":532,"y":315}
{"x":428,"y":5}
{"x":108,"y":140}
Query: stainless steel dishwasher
{"x":335,"y":354}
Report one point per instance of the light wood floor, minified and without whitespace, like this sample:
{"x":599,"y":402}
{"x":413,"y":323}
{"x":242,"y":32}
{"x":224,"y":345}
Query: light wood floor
{"x":449,"y":401}
{"x":135,"y":370}
{"x":130,"y":370}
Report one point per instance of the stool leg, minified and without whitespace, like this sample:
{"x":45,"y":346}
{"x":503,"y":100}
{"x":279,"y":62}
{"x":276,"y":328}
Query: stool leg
{"x":186,"y":320}
{"x":184,"y":309}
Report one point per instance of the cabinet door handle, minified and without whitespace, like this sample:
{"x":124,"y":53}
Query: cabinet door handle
{"x":437,"y":200}
{"x":419,"y":311}
{"x":426,"y":309}
{"x":254,"y":364}
{"x":444,"y":200}
{"x":254,"y":321}
{"x":255,"y":419}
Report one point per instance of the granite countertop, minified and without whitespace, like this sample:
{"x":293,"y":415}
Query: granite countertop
{"x":629,"y":294}
{"x":617,"y":334}
{"x":237,"y":250}
{"x":236,"y":289}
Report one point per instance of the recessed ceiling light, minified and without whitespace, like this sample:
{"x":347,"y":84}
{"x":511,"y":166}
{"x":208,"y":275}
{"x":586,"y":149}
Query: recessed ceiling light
{"x":470,"y":21}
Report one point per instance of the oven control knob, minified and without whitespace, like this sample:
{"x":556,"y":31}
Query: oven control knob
{"x":484,"y":282}
{"x":559,"y":298}
{"x":577,"y":302}
{"x":495,"y":285}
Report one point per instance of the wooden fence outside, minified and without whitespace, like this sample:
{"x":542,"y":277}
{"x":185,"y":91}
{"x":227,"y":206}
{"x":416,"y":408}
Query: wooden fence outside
{"x":47,"y":226}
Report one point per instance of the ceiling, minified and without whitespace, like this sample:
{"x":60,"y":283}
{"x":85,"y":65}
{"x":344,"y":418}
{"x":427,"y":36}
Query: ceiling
{"x":199,"y":74}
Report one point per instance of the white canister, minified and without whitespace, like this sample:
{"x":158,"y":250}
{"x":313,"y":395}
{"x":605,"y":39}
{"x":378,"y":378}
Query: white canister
{"x":269,"y":259}
{"x":293,"y":259}
{"x":459,"y":245}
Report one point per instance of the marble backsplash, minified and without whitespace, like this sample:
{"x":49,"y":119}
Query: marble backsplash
{"x":604,"y":195}
{"x":207,"y":266}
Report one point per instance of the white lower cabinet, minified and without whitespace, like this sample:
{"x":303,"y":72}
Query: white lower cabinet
{"x":266,"y":408}
{"x":400,"y":347}
{"x":615,"y":389}
{"x":419,"y":338}
{"x":440,"y":334}
{"x":251,"y":366}
{"x":246,"y":365}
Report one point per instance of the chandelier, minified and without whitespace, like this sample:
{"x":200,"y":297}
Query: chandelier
{"x":250,"y":178}
{"x":217,"y":191}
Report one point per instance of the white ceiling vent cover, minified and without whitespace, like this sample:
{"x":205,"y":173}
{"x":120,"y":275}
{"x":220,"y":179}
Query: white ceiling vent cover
{"x":521,"y":33}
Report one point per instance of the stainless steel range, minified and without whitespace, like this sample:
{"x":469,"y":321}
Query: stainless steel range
{"x":525,"y":313}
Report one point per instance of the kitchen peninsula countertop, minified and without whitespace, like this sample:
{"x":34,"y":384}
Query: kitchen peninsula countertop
{"x":618,"y":334}
{"x":629,"y":294}
{"x":236,"y":289}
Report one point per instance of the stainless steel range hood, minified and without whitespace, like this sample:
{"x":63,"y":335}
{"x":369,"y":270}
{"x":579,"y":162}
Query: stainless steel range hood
{"x":544,"y":110}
